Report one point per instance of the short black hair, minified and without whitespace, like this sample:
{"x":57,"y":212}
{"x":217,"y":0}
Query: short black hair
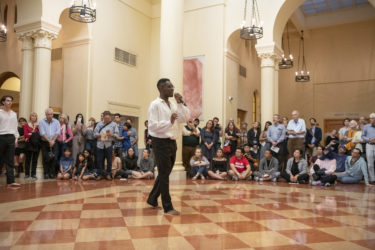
{"x":147,"y":150}
{"x":360,"y":152}
{"x":347,"y":119}
{"x":106,"y":113}
{"x":162,"y":81}
{"x":241,"y":149}
{"x":215,"y":118}
{"x":67,"y":149}
{"x":128,"y":125}
{"x":5,"y":97}
{"x":312,"y":118}
{"x":299,"y":150}
{"x":196,"y":120}
{"x":21,"y":119}
{"x":269,"y":150}
{"x":117,"y":114}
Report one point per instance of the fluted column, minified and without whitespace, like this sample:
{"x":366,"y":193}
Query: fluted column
{"x":171,"y":53}
{"x":26,"y":90}
{"x":42,"y":70}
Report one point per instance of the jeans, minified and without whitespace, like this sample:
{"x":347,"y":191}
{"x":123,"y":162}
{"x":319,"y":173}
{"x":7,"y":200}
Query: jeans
{"x":370,"y":154}
{"x":7,"y":148}
{"x":199,"y":170}
{"x":165,"y":156}
{"x":347,"y":179}
{"x":31,"y":159}
{"x":60,"y":152}
{"x":101,"y":155}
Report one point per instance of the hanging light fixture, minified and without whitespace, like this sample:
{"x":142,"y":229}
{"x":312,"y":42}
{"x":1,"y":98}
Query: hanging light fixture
{"x":286,"y":63}
{"x":255,"y":29}
{"x":302,"y":74}
{"x":83,"y":11}
{"x":3,"y":28}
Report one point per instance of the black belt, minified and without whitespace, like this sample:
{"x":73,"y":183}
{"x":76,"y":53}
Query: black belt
{"x":6,"y":135}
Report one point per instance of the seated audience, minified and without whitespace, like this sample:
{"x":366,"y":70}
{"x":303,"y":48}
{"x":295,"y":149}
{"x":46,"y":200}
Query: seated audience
{"x":319,"y":153}
{"x":323,"y":169}
{"x":349,"y":135}
{"x":199,"y":165}
{"x":268,"y":168}
{"x":252,"y":154}
{"x":66,"y":165}
{"x":117,"y":171}
{"x":80,"y":171}
{"x":146,"y":165}
{"x":332,"y":140}
{"x":239,"y":166}
{"x":130,"y":164}
{"x":355,"y":169}
{"x":340,"y":159}
{"x":296,"y":169}
{"x":219,"y":166}
{"x":190,"y":141}
{"x":89,"y":161}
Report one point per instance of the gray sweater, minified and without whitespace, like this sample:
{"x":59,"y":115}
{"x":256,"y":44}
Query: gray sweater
{"x":146,"y":165}
{"x":274,"y":165}
{"x":302,"y":166}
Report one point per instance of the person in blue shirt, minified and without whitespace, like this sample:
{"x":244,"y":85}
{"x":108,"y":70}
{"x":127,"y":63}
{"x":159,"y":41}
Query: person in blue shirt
{"x":126,"y":137}
{"x":66,"y":165}
{"x":340,"y":159}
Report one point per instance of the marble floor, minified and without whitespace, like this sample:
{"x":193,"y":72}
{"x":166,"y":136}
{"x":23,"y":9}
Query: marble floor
{"x":215,"y":215}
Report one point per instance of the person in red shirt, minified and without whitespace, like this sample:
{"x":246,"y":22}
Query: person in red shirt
{"x":239,"y":166}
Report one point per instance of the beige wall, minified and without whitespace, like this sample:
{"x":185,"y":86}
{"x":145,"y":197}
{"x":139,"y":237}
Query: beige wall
{"x":341,"y":60}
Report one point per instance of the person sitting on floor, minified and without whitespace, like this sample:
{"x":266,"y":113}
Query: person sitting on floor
{"x":252,"y":154}
{"x":146,"y":165}
{"x":219,"y":166}
{"x":199,"y":165}
{"x":81,"y":171}
{"x":66,"y":165}
{"x":355,"y":169}
{"x":319,"y":153}
{"x":117,"y":171}
{"x":296,"y":169}
{"x":323,"y":169}
{"x":268,"y":168}
{"x":340,"y":159}
{"x":239,"y":166}
{"x":130,"y":164}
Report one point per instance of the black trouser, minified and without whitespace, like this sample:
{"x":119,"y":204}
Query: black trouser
{"x":324,"y":178}
{"x":7,"y":148}
{"x":49,"y":165}
{"x":302,"y":179}
{"x":165,"y":156}
{"x":31,"y":158}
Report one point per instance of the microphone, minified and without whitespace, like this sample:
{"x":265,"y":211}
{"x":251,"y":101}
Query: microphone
{"x":180,"y":99}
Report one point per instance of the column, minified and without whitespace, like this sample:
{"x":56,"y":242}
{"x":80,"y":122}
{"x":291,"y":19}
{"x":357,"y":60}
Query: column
{"x":27,"y":76}
{"x":171,"y":56}
{"x":42,"y":71}
{"x":276,"y":89}
{"x":267,"y":101}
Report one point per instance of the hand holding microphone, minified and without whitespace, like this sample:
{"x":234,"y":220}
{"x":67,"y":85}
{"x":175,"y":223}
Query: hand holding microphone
{"x":179,"y":99}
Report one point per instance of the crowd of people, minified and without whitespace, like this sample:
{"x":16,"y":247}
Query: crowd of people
{"x":284,"y":149}
{"x":108,"y":149}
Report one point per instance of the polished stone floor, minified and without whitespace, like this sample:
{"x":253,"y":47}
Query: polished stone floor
{"x":215,"y":215}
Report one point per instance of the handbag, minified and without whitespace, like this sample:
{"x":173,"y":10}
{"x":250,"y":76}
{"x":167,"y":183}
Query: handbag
{"x":226,"y":149}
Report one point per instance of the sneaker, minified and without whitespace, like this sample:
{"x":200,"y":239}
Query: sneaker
{"x":27,"y":176}
{"x":256,"y":178}
{"x":274,"y":179}
{"x":235,"y":178}
{"x":327,"y":184}
{"x":260,"y":179}
{"x":316,"y":183}
{"x":34,"y":177}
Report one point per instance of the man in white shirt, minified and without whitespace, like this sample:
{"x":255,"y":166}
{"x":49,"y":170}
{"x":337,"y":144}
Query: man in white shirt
{"x":296,"y":130}
{"x":344,"y":129}
{"x":163,"y":116}
{"x":8,"y":137}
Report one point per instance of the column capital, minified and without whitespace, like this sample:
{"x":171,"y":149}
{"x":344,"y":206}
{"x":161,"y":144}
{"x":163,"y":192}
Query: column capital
{"x":269,"y":53}
{"x":43,"y":39}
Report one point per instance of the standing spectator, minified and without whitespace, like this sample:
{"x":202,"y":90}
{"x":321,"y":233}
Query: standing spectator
{"x":332,"y":141}
{"x":275,"y":137}
{"x":231,"y":137}
{"x":296,"y":169}
{"x":296,"y":130}
{"x":79,"y":132}
{"x":117,"y":146}
{"x":243,"y":135}
{"x":125,"y":138}
{"x":263,"y":139}
{"x":343,"y":130}
{"x":253,"y":135}
{"x":190,"y":141}
{"x":49,"y":129}
{"x":349,"y":135}
{"x":196,"y":124}
{"x":357,"y":138}
{"x":8,"y":137}
{"x":19,"y":156}
{"x":147,"y":139}
{"x":32,"y":137}
{"x":90,"y":137}
{"x":218,"y":133}
{"x":64,"y":140}
{"x":208,"y":139}
{"x":284,"y":145}
{"x":368,"y":136}
{"x":133,"y":137}
{"x":105,"y":132}
{"x":313,"y":138}
{"x":239,"y":166}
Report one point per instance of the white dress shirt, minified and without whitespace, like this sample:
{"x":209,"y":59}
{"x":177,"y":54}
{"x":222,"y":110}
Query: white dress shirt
{"x":298,"y":126}
{"x":159,"y":118}
{"x":8,"y":123}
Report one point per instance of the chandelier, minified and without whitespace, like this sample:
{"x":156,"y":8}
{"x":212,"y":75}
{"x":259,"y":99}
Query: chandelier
{"x":302,"y":75}
{"x":3,"y":28}
{"x":83,"y":11}
{"x":255,"y":30}
{"x":286,"y":63}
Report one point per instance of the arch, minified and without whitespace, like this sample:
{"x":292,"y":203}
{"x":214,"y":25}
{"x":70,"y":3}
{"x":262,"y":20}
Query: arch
{"x":6,"y":75}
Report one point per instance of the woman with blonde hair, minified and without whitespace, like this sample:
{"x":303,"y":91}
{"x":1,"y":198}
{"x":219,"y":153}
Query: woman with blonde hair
{"x":32,"y":138}
{"x":349,"y":135}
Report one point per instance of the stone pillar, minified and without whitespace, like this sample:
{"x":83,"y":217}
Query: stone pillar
{"x":42,"y":71}
{"x":171,"y":58}
{"x":26,"y":91}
